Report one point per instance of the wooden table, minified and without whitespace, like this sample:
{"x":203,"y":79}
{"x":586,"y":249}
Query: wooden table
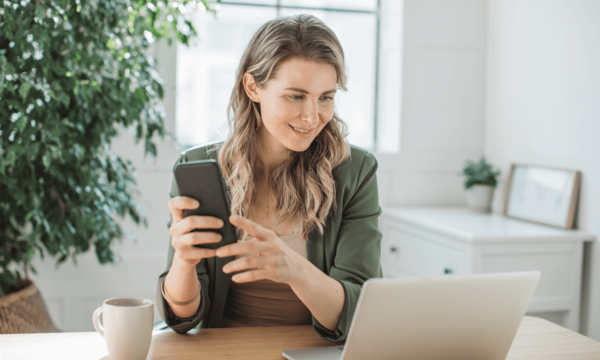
{"x":536,"y":339}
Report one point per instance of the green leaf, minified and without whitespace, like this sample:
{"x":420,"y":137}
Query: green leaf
{"x":24,"y":89}
{"x":131,"y":235}
{"x":29,"y":215}
{"x":46,"y":161}
{"x":9,"y":68}
{"x":21,"y":123}
{"x":10,"y":87}
{"x":29,"y":254}
{"x":33,"y":150}
{"x":64,"y":99}
{"x":71,"y":228}
{"x":11,"y":157}
{"x":139,"y":93}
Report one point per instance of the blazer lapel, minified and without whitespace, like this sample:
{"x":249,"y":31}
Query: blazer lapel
{"x":222,"y":282}
{"x":315,"y":250}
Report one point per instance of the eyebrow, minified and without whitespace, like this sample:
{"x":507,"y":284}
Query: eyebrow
{"x":306,"y":92}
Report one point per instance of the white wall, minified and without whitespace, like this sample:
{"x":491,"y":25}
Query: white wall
{"x":442,"y":103}
{"x":543,"y":104}
{"x":442,"y":125}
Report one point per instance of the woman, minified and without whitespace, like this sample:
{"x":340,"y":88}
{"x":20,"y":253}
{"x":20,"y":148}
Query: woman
{"x":306,"y":201}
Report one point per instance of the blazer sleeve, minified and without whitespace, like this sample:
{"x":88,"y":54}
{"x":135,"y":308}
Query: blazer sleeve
{"x":358,"y":249}
{"x":182,"y":325}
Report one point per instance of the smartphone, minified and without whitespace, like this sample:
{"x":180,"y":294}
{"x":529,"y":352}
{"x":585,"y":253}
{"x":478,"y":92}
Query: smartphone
{"x":202,"y":180}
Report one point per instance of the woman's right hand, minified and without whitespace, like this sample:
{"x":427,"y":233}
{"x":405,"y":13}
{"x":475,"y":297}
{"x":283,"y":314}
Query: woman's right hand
{"x":182,"y":237}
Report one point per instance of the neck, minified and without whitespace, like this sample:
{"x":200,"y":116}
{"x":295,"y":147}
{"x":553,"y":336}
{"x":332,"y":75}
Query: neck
{"x":270,"y":151}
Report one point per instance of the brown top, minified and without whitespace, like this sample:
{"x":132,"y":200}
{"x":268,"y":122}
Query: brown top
{"x":265,"y":302}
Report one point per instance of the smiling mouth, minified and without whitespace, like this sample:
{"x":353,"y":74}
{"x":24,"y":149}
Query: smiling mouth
{"x":300,"y":131}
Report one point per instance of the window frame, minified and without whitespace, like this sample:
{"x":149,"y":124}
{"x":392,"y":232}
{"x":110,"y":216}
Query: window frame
{"x":377,"y":102}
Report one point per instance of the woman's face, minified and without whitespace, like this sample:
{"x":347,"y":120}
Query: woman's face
{"x":295,"y":105}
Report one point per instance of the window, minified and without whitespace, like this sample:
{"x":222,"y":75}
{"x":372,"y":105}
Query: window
{"x":369,"y":31}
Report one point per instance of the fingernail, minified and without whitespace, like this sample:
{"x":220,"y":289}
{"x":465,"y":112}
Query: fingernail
{"x":196,"y":203}
{"x":220,"y":223}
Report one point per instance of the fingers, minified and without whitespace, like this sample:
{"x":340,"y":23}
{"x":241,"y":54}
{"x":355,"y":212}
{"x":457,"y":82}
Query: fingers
{"x":253,"y":275}
{"x":250,"y":262}
{"x":180,"y":203}
{"x":198,"y":238}
{"x":251,"y":227}
{"x":185,"y":250}
{"x":183,"y":238}
{"x":253,"y":246}
{"x":192,"y":222}
{"x":193,"y":255}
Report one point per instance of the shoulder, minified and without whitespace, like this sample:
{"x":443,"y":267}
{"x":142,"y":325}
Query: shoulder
{"x":356,"y":180}
{"x":360,"y":163}
{"x":200,"y":152}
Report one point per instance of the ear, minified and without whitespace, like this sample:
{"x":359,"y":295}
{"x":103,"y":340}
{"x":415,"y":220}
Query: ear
{"x":251,"y":87}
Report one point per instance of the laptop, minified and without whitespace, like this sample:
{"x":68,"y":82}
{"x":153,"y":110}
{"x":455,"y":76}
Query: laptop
{"x":448,"y":317}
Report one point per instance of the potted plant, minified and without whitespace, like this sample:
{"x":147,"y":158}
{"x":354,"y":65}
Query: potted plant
{"x":71,"y":73}
{"x":480,"y":182}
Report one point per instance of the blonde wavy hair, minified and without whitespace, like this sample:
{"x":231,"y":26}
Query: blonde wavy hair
{"x":303,"y":184}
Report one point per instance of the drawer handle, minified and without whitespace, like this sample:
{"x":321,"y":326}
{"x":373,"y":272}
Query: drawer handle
{"x":448,"y":271}
{"x":394,"y":249}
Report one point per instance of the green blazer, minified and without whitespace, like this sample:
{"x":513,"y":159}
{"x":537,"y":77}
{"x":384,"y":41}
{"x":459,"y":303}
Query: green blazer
{"x":348,"y":251}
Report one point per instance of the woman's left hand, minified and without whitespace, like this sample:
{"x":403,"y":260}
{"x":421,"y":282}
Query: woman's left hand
{"x":274,"y":259}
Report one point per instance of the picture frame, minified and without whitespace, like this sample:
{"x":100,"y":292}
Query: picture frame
{"x":542,"y":194}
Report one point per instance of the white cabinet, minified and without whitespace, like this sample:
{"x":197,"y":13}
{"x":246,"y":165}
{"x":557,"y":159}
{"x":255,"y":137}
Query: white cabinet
{"x":434,"y":241}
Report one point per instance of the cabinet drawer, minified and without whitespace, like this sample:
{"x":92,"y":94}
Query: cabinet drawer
{"x":405,"y":249}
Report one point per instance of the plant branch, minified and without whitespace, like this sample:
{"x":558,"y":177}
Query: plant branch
{"x":62,"y":205}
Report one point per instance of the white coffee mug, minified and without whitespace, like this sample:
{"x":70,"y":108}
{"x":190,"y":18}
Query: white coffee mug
{"x":126,"y":327}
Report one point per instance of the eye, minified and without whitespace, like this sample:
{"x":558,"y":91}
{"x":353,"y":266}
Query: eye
{"x":326,"y":98}
{"x":296,"y":97}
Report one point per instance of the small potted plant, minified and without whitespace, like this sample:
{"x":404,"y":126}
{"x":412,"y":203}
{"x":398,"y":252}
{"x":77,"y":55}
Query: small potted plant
{"x":480,"y":181}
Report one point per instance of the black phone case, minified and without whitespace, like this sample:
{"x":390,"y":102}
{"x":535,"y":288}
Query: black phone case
{"x":202,"y":180}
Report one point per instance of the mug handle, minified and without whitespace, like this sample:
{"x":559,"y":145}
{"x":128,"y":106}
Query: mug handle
{"x":96,"y":321}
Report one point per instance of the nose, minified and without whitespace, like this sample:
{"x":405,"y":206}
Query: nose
{"x":310,"y":113}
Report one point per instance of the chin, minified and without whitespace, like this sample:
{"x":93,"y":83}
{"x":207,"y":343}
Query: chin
{"x":298,"y":147}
